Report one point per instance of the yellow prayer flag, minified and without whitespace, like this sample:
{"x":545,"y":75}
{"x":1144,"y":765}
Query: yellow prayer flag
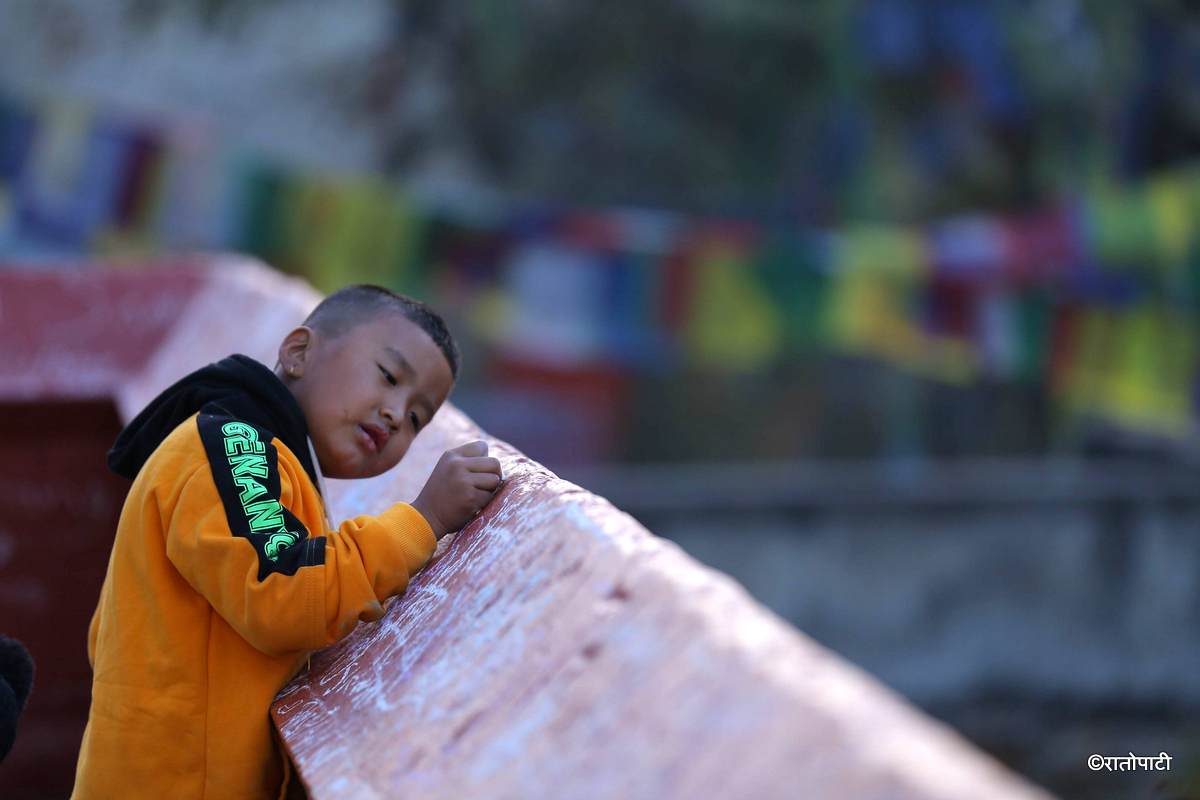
{"x":732,"y":322}
{"x":1151,"y":371}
{"x":881,"y":249}
{"x":1172,"y":220}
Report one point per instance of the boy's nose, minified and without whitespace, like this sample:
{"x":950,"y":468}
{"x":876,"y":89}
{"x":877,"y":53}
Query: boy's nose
{"x":391,"y":415}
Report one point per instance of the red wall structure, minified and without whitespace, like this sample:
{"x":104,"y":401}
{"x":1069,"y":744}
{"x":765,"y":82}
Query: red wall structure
{"x":553,"y":647}
{"x":69,"y":340}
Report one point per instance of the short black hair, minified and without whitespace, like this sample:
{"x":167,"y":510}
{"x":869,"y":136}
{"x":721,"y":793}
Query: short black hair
{"x":353,"y":305}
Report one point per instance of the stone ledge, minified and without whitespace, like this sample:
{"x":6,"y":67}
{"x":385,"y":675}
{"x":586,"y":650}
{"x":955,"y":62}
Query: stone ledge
{"x":555,"y":648}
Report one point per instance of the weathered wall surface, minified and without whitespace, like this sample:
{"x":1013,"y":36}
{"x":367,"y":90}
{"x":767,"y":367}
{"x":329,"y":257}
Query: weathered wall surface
{"x":554,"y":648}
{"x":80,"y":334}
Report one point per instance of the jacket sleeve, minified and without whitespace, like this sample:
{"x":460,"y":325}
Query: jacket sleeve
{"x":233,"y":536}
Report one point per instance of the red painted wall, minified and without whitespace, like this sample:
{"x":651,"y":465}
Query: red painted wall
{"x":60,"y":511}
{"x":69,"y":340}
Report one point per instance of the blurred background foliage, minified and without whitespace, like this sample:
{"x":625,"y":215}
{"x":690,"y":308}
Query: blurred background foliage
{"x":885,"y":109}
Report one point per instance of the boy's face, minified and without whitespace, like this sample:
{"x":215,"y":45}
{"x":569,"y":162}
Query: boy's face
{"x":366,"y":393}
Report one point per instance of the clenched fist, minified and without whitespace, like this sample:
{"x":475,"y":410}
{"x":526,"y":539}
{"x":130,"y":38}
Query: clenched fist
{"x":461,"y":483}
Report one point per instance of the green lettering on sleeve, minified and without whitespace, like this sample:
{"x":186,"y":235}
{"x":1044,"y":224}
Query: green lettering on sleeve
{"x":267,"y":515}
{"x":244,"y":463}
{"x":253,"y":464}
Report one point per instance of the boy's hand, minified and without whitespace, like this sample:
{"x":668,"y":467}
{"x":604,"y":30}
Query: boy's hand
{"x":461,"y":483}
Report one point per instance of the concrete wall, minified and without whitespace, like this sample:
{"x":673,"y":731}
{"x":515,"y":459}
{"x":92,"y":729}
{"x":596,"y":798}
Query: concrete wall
{"x":1093,"y":604}
{"x":1047,"y":610}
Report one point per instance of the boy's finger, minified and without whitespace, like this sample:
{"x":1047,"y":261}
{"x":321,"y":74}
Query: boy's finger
{"x":472,"y":449}
{"x":484,"y":464}
{"x":485,"y":480}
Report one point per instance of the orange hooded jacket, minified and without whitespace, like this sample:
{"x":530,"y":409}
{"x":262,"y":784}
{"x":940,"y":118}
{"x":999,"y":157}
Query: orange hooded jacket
{"x":224,"y":575}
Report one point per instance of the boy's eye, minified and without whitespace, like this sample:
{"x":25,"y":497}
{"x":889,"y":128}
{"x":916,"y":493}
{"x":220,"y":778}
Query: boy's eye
{"x":387,"y":375}
{"x":412,"y":415}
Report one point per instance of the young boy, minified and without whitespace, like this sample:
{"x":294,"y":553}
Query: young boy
{"x":225,"y":573}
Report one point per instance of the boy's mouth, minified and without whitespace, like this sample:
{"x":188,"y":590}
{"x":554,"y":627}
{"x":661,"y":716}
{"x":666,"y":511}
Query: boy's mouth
{"x":374,"y":436}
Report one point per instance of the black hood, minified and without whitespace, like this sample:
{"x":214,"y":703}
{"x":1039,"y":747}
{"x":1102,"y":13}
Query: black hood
{"x":16,"y":679}
{"x":237,"y":386}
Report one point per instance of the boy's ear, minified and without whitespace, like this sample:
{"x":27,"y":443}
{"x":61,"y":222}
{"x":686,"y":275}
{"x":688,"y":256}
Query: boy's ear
{"x":294,"y":349}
